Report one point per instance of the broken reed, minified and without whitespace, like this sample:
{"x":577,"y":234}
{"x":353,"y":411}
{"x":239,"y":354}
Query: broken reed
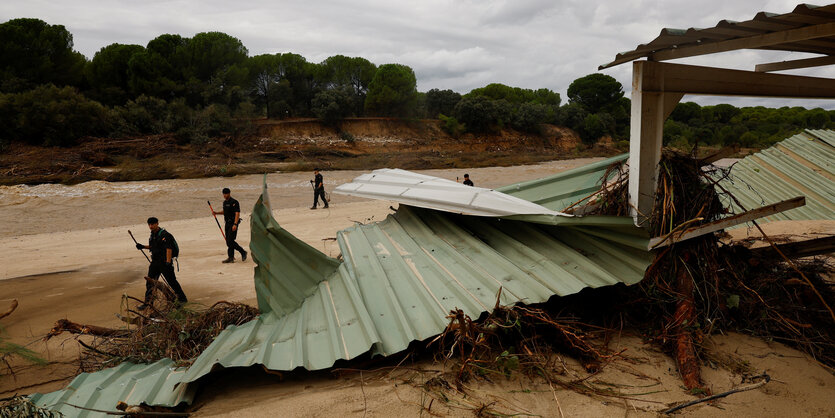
{"x":518,"y":338}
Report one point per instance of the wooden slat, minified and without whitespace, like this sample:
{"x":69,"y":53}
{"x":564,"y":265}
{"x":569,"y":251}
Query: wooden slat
{"x":714,"y":226}
{"x":790,"y":65}
{"x":756,"y":41}
{"x":806,"y":248}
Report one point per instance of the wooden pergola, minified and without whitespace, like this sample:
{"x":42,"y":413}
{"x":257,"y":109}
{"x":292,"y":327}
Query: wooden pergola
{"x":657,"y":86}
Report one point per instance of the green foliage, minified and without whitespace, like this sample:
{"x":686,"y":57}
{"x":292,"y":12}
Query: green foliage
{"x":33,"y":52}
{"x":52,"y":116}
{"x":516,"y":95}
{"x":441,"y":102}
{"x":451,"y":125}
{"x":482,"y":114}
{"x":207,"y":53}
{"x":107,"y":73}
{"x":356,"y":73}
{"x":331,"y":106}
{"x":392,"y":91}
{"x":595,"y":92}
{"x":529,"y":116}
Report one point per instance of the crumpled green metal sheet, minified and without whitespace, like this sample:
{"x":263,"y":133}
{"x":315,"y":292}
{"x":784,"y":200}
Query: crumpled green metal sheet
{"x":134,"y":384}
{"x":561,"y":190}
{"x":803,"y":165}
{"x":418,"y":265}
{"x":278,"y":254}
{"x":400,"y":278}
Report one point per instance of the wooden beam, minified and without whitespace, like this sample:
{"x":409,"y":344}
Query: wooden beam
{"x":799,"y":249}
{"x":678,"y":78}
{"x":794,"y":64}
{"x":749,"y":42}
{"x":718,"y":155}
{"x":727,"y":222}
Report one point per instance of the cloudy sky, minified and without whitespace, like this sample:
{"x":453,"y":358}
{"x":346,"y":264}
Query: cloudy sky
{"x":451,"y":44}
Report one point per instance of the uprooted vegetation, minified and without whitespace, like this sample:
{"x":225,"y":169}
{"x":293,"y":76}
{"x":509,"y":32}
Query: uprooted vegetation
{"x":164,"y":330}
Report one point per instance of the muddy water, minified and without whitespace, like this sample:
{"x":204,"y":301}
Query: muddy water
{"x":45,"y":208}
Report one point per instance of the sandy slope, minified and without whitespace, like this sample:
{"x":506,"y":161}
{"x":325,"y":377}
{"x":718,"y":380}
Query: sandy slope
{"x":66,"y":254}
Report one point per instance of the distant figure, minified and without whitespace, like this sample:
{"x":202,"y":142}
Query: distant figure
{"x":318,"y":189}
{"x":232,"y":215}
{"x":163,"y":250}
{"x":467,"y":180}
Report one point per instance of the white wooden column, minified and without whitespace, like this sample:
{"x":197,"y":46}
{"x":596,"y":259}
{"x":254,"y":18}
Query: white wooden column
{"x":649,"y":111}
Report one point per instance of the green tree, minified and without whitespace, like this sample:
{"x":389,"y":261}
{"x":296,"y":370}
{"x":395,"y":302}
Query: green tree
{"x":33,"y":52}
{"x":353,"y":72}
{"x":157,"y":70}
{"x":572,"y":116}
{"x":529,"y":116}
{"x":55,"y":116}
{"x":392,"y":91}
{"x":441,"y":102}
{"x":684,"y":112}
{"x":107,"y":73}
{"x":331,"y":106}
{"x":595,"y":92}
{"x":209,"y":52}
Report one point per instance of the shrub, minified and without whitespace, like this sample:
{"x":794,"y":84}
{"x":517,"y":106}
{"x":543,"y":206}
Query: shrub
{"x":53,"y":116}
{"x":451,"y":125}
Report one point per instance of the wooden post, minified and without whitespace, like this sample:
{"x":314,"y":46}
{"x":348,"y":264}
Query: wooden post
{"x":649,"y":110}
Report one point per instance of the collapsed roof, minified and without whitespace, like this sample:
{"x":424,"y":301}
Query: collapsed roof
{"x":396,"y":282}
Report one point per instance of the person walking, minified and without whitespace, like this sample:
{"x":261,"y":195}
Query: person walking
{"x":163,"y":250}
{"x":318,"y":189}
{"x":467,"y":180}
{"x":232,"y":217}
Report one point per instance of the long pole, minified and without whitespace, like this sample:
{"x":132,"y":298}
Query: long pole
{"x":216,"y":221}
{"x":135,"y":242}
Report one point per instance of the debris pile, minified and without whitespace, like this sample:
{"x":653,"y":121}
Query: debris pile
{"x":700,"y":286}
{"x":164,"y":330}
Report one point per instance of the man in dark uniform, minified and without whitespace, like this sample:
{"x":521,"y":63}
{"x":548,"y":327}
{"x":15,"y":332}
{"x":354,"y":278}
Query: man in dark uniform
{"x":318,"y":189}
{"x":161,"y":244}
{"x":467,"y":180}
{"x":232,"y":216}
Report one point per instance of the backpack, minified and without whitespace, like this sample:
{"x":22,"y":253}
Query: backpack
{"x":175,"y":248}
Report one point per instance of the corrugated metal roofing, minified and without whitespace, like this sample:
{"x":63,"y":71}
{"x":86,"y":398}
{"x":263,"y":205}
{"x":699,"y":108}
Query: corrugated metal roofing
{"x":441,"y":194}
{"x":400,"y":278}
{"x":134,"y":384}
{"x":561,"y":190}
{"x":803,"y":165}
{"x":762,"y":23}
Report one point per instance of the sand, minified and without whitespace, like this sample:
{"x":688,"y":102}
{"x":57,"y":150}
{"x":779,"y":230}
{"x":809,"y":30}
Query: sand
{"x":67,"y":254}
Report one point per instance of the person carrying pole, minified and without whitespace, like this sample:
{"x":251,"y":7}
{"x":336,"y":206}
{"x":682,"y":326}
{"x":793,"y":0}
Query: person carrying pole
{"x":163,"y":250}
{"x":318,"y":189}
{"x":232,"y":216}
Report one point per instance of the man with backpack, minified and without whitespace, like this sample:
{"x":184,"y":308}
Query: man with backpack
{"x":164,"y":249}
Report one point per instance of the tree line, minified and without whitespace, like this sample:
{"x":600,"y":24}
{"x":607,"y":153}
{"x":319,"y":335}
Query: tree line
{"x":198,"y":87}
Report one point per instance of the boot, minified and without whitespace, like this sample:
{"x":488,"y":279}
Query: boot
{"x":243,"y":256}
{"x":228,"y":260}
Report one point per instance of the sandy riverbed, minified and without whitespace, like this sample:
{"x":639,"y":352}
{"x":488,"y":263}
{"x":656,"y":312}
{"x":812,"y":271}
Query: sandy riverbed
{"x":66,"y":254}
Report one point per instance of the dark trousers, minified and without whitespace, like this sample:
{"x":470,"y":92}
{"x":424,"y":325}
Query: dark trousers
{"x":158,"y":268}
{"x":316,"y":194}
{"x":231,"y":245}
